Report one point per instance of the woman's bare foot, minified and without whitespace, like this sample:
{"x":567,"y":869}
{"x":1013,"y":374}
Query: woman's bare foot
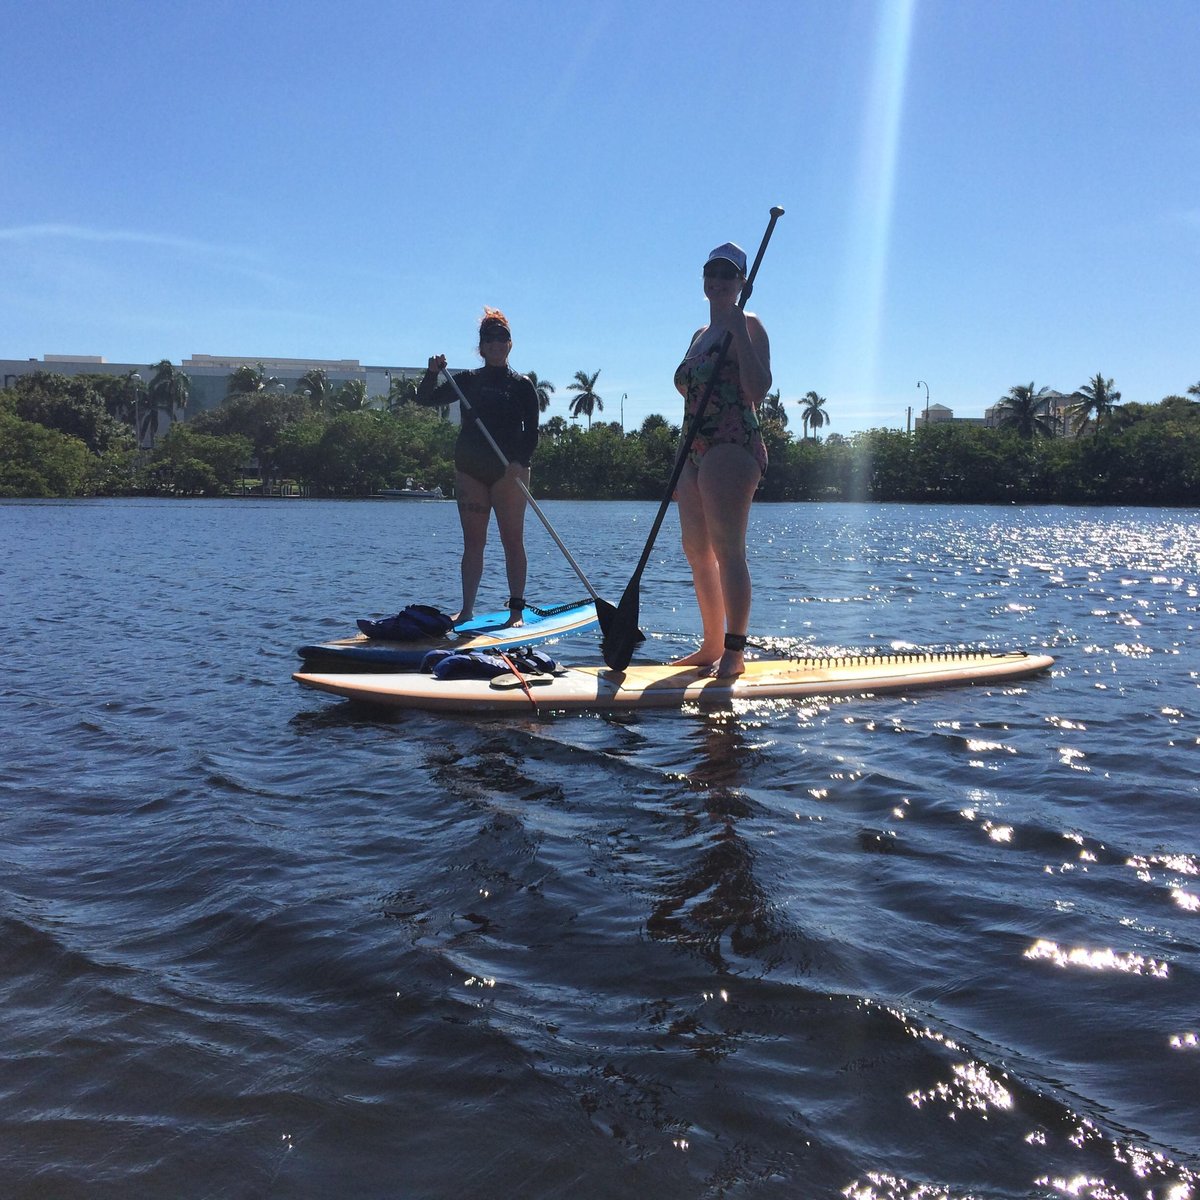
{"x":698,"y":658}
{"x":732,"y":664}
{"x":461,"y":618}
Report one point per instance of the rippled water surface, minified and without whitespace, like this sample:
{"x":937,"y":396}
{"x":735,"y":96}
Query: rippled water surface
{"x":256,"y":942}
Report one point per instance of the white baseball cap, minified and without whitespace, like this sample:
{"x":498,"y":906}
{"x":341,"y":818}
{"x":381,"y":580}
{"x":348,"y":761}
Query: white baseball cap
{"x":729,"y":252}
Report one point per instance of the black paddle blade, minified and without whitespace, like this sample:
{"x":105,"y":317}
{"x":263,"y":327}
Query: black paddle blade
{"x":607,"y":613}
{"x":621,"y":635}
{"x":611,"y":620}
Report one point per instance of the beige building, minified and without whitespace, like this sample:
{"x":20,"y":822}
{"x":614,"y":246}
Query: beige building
{"x":932,"y":414}
{"x":1057,"y":410}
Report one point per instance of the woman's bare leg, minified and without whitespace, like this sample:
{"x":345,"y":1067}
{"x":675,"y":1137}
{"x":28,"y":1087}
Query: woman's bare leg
{"x":474,"y":511}
{"x":726,"y":481}
{"x":509,"y":501}
{"x":697,"y":548}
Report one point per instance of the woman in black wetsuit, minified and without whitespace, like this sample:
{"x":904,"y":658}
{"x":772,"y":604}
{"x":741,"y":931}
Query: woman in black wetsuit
{"x":506,"y":405}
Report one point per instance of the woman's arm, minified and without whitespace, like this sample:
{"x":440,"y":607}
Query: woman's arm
{"x":431,"y":394}
{"x":526,"y":398}
{"x":753,"y":351}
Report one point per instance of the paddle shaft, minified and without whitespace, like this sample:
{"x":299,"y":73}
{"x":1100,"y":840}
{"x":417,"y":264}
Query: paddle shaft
{"x":619,"y":649}
{"x":491,"y":441}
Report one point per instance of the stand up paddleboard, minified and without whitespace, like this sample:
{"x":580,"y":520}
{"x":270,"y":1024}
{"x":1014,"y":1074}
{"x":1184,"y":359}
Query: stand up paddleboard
{"x":597,"y":689}
{"x":487,"y":632}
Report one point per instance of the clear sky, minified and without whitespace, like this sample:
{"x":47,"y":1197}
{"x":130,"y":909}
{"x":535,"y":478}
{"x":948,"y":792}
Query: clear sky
{"x":978,"y":193}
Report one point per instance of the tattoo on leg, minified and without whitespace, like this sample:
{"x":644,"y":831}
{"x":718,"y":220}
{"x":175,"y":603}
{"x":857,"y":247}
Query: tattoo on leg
{"x":472,"y":506}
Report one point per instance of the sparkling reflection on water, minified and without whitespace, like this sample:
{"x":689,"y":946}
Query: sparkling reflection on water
{"x":257,"y":942}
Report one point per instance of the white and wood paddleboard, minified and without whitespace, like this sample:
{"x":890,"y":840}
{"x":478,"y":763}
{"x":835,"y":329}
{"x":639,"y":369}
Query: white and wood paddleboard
{"x":597,"y":689}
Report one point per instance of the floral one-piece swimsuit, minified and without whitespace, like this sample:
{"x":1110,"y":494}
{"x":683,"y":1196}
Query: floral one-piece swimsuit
{"x":729,"y":416}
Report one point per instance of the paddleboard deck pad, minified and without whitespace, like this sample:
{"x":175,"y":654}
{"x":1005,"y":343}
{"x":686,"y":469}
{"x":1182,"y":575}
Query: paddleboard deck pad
{"x":597,"y":689}
{"x":486,"y":632}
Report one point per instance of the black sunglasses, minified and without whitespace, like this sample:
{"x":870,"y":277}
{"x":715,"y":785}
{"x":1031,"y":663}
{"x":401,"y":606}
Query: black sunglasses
{"x":720,"y":271}
{"x":495,"y":335}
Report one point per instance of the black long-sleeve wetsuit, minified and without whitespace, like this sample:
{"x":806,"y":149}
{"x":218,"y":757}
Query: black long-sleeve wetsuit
{"x":504,"y":402}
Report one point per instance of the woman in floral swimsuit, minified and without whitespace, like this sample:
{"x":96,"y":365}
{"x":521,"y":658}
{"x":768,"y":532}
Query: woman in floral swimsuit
{"x":726,"y":462}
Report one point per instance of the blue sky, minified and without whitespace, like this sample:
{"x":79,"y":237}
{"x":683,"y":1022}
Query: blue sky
{"x":977,"y":194}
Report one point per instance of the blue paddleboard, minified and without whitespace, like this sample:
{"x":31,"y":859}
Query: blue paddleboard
{"x":487,"y":632}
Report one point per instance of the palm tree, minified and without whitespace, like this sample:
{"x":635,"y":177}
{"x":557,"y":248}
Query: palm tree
{"x":1026,"y":410}
{"x":1096,"y":400}
{"x":401,"y":391}
{"x":352,"y":396}
{"x":813,"y":416}
{"x":168,"y":393}
{"x":316,"y":383}
{"x":544,"y":388}
{"x":587,"y":401}
{"x":245,"y":379}
{"x":1194,"y":390}
{"x":771,"y":409}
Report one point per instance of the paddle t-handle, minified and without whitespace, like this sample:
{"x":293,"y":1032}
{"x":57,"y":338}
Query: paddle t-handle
{"x":620,"y":629}
{"x":775,"y":213}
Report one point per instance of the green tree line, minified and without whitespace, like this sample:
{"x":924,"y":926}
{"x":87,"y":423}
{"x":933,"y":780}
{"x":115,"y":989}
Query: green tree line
{"x":95,"y":435}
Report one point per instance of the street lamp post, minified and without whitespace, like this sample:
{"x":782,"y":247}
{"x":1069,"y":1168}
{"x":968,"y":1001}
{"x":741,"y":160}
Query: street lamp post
{"x":922,"y":384}
{"x":623,"y":396}
{"x":135,"y":383}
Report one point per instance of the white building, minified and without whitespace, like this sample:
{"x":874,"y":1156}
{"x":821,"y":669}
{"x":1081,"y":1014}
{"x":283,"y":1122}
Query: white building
{"x":209,"y":373}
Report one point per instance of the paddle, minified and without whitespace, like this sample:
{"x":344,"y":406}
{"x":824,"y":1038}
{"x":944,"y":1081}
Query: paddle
{"x":604,"y":610}
{"x":620,"y":630}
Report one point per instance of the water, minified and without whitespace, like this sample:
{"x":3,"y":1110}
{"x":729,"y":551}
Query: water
{"x":257,"y":943}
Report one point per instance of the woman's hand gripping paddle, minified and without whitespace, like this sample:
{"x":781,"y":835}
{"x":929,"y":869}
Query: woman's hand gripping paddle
{"x":605,"y":611}
{"x":620,"y":630}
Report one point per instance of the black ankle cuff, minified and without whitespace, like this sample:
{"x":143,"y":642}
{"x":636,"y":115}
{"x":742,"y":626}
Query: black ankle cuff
{"x":735,"y":641}
{"x":517,"y":602}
